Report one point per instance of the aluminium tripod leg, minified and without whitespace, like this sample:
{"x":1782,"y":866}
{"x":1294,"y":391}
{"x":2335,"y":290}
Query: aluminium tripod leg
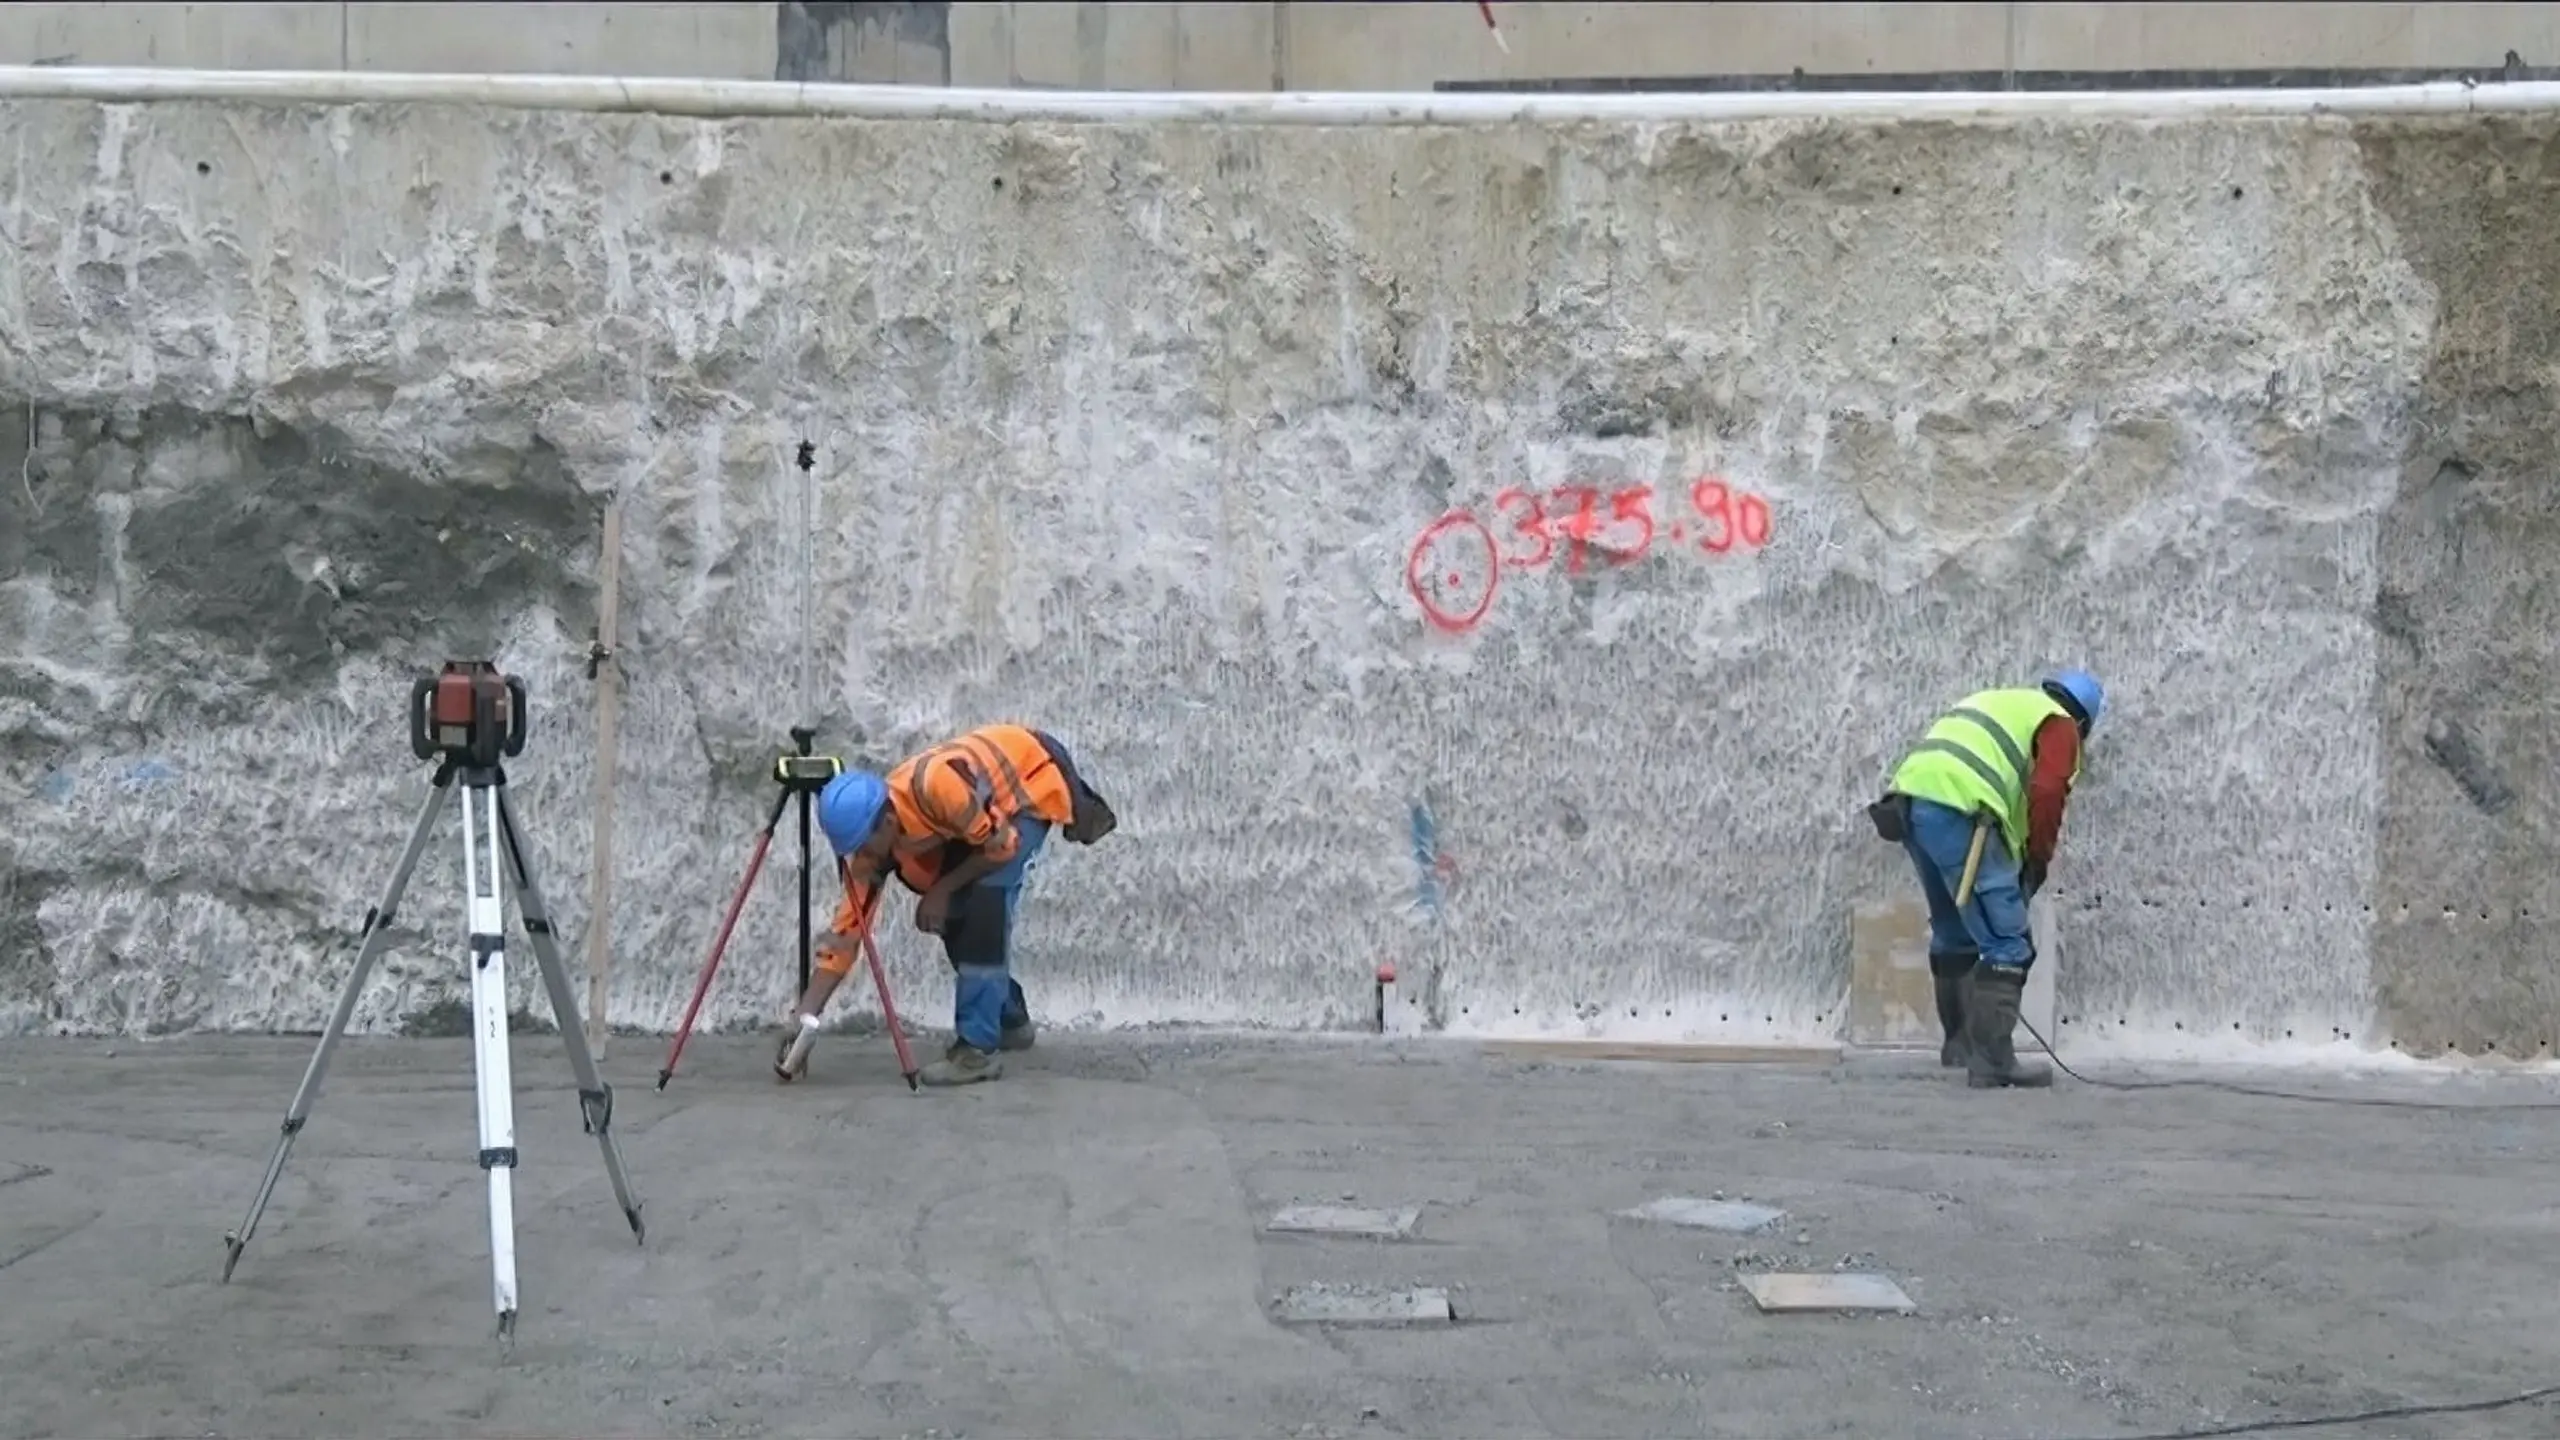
{"x":377,"y":929}
{"x":485,"y":890}
{"x":595,"y":1098}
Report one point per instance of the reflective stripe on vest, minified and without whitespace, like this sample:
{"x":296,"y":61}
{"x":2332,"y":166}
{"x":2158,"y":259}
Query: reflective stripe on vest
{"x":991,"y":765}
{"x":1976,"y":758}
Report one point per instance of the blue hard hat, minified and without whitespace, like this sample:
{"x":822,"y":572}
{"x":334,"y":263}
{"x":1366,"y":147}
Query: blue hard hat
{"x":849,"y":807}
{"x":2080,"y":690}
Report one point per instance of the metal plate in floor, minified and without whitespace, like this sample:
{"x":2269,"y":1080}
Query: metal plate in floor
{"x":1396,"y":1224}
{"x":1788,"y":1294}
{"x":1734,"y":1217}
{"x":1346,"y":1305}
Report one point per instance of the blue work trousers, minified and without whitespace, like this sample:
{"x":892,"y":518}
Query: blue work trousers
{"x":1995,"y":920}
{"x":985,"y":1000}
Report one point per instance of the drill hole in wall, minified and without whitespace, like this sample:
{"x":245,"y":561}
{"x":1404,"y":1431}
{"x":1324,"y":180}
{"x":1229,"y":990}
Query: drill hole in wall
{"x":2235,"y":192}
{"x":666,"y":177}
{"x":204,"y":167}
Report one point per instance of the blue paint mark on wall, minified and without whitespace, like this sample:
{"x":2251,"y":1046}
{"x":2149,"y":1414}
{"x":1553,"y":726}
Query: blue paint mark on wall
{"x":148,"y":772}
{"x":1426,"y":860}
{"x":56,"y":786}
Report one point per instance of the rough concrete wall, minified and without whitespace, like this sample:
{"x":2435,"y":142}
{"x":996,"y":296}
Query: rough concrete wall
{"x":1131,"y":432}
{"x":2465,"y":611}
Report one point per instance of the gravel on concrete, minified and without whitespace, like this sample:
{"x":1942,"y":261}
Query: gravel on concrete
{"x":1080,"y":1249}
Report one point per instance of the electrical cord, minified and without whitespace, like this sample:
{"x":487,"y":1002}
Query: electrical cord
{"x":2359,"y":1417}
{"x":2378,"y":1102}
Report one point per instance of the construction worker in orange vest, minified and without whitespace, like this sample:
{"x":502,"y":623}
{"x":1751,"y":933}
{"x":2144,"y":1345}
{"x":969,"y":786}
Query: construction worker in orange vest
{"x":960,"y":824}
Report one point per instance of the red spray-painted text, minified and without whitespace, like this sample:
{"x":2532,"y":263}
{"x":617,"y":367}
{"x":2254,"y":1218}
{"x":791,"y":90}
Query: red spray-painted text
{"x":1456,"y":563}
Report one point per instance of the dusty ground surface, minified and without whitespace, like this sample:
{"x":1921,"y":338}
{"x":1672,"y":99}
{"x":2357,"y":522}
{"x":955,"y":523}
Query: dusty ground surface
{"x":1078,"y":1251}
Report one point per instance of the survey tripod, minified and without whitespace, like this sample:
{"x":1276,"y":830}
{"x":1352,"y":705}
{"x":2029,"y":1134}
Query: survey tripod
{"x":467,"y":719}
{"x":800,"y":776}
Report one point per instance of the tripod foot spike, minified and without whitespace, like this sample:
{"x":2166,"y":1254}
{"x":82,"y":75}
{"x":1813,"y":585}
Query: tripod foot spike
{"x":639,"y":1227}
{"x":506,"y":1327}
{"x":231,"y":1261}
{"x":912,"y":1083}
{"x":663,"y":1077}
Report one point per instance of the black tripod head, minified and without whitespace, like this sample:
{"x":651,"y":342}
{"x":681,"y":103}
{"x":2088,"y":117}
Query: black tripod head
{"x":468,"y":714}
{"x":806,"y":458}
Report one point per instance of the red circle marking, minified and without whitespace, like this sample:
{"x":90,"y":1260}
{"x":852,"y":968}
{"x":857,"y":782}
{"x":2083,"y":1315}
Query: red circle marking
{"x":1414,"y":570}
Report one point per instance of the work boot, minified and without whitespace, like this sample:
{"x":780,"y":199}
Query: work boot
{"x":1019,"y":1033}
{"x":1992,"y":1015}
{"x":1951,"y":973}
{"x":962,"y":1064}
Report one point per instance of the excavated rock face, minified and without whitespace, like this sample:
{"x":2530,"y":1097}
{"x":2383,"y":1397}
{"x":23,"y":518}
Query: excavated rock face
{"x":1151,"y":435}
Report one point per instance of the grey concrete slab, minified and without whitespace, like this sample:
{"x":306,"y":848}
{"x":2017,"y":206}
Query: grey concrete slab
{"x":1076,"y":1250}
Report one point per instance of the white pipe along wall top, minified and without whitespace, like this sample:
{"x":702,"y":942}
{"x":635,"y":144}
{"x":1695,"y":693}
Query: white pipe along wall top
{"x":1169,"y":423}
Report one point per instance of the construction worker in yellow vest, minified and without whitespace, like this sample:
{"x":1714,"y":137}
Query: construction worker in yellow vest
{"x":1981,"y":797}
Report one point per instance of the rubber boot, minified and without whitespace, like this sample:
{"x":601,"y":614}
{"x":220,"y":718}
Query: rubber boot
{"x":1952,"y":1050}
{"x":1950,"y":974}
{"x":1992,"y":1016}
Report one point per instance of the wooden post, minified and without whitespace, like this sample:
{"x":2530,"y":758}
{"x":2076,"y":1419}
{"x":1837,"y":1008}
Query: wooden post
{"x":608,"y":675}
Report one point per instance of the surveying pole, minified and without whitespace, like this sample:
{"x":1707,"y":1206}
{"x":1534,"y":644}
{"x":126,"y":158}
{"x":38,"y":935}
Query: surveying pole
{"x":467,"y":719}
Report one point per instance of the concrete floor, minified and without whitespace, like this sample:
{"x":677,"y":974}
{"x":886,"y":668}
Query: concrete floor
{"x":1077,"y":1251}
